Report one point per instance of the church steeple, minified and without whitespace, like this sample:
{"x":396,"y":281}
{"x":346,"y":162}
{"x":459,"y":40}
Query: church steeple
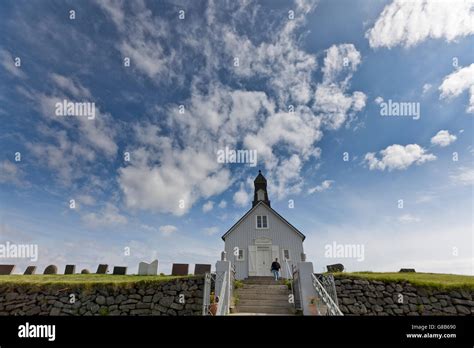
{"x":260,"y":194}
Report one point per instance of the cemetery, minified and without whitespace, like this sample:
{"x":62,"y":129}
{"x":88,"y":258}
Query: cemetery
{"x":110,"y":291}
{"x":114,"y":294}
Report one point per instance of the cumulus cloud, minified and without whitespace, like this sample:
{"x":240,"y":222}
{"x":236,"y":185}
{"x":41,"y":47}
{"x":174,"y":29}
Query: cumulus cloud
{"x":340,"y":59}
{"x":408,"y":23}
{"x":109,"y":216}
{"x":408,"y":218}
{"x":225,"y":115}
{"x":8,"y":63}
{"x":168,"y":230}
{"x":142,"y":40}
{"x":69,"y":85}
{"x":398,"y":157}
{"x":325,"y":185}
{"x":241,"y":197}
{"x":222,"y":204}
{"x":457,"y":82}
{"x":176,"y":184}
{"x":331,"y":100}
{"x":86,"y":199}
{"x":463,"y":176}
{"x":11,"y":173}
{"x":426,"y":87}
{"x":69,"y":144}
{"x":210,"y":231}
{"x":208,"y":206}
{"x":443,"y":138}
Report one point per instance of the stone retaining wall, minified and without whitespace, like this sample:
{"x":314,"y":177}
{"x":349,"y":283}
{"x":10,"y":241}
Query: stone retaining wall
{"x":370,"y":297}
{"x":174,"y":297}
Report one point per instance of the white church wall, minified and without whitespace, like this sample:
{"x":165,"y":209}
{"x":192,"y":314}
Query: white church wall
{"x":246,"y":233}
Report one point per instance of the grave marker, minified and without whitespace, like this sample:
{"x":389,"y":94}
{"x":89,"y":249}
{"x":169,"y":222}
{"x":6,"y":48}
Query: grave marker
{"x":148,"y":268}
{"x":102,"y":269}
{"x":118,"y":270}
{"x":6,"y":269}
{"x":202,"y":269}
{"x":180,"y":269}
{"x":70,"y":269}
{"x":30,"y":270}
{"x":51,"y":269}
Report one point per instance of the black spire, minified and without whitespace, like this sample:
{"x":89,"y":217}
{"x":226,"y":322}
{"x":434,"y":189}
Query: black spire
{"x":260,"y":193}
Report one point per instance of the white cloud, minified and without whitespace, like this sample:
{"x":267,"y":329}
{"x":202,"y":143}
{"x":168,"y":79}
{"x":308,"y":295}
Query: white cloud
{"x":289,"y":179}
{"x":222,"y":204}
{"x":142,"y":39}
{"x":173,"y":186}
{"x":208,"y":206}
{"x":425,"y":197}
{"x":168,"y":230}
{"x":408,"y":23}
{"x":241,"y":197}
{"x":426,"y":87}
{"x":408,"y":218}
{"x":335,"y":106}
{"x":457,"y":82}
{"x":464,"y":176}
{"x":8,"y":63}
{"x":210,"y":231}
{"x":398,"y":157}
{"x":62,"y":151}
{"x":109,"y":216}
{"x":443,"y":138}
{"x":224,"y":116}
{"x":340,"y":59}
{"x":325,"y":185}
{"x":86,"y":199}
{"x":71,"y":86}
{"x":287,"y":67}
{"x":11,"y":173}
{"x":378,"y":100}
{"x":331,"y":102}
{"x":148,"y":228}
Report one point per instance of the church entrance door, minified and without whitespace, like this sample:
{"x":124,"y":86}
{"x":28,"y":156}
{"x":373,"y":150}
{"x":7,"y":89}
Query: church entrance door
{"x":264,"y":260}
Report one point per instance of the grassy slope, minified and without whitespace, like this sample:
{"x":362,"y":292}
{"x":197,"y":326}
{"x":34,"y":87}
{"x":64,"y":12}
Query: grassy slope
{"x":436,"y":280}
{"x":78,"y":279}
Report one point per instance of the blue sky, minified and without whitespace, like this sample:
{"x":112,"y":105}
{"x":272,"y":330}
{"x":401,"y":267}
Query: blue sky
{"x":335,"y":62}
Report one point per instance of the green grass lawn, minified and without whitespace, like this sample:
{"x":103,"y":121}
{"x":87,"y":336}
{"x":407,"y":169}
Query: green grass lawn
{"x":437,"y":280}
{"x":86,"y":279}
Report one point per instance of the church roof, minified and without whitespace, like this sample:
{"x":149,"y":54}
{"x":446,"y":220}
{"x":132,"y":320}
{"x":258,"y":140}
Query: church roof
{"x":272,"y":210}
{"x":260,"y":178}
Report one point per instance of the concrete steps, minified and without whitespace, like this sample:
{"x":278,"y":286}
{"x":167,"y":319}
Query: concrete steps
{"x":264,"y":310}
{"x":259,"y":296}
{"x":265,"y":303}
{"x":264,"y":281}
{"x":263,"y":296}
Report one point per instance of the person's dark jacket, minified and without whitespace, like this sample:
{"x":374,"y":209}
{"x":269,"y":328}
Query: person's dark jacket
{"x":275,"y":266}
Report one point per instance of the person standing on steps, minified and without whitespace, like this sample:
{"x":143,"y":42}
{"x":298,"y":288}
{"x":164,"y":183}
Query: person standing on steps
{"x":276,"y":269}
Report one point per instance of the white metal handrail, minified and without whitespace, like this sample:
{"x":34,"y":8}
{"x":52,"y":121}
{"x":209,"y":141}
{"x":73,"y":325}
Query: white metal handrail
{"x":222,"y":302}
{"x":333,"y":308}
{"x":288,"y":270}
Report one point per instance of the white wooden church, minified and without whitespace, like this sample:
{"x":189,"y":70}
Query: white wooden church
{"x":260,"y":236}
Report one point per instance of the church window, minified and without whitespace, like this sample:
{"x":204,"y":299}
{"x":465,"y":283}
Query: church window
{"x":262,"y":221}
